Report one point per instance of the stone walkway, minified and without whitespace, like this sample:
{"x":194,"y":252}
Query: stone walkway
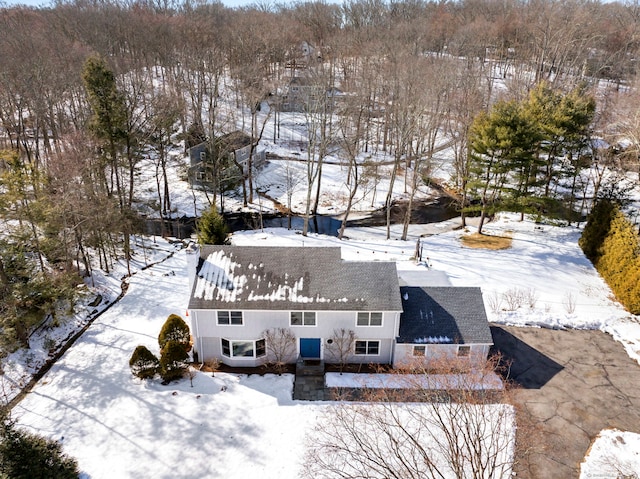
{"x":309,"y":382}
{"x":573,"y":384}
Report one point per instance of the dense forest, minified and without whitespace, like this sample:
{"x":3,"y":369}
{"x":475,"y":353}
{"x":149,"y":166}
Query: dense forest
{"x":537,"y":100}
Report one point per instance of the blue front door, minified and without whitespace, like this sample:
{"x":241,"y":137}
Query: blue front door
{"x":310,"y":348}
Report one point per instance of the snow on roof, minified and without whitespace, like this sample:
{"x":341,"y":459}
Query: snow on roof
{"x":247,"y":277}
{"x":433,"y":340}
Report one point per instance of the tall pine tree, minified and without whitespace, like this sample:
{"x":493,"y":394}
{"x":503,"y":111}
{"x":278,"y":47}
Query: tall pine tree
{"x":502,"y":144}
{"x":109,"y":126}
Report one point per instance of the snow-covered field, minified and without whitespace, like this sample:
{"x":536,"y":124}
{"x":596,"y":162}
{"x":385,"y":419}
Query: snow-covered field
{"x":120,"y":427}
{"x":236,"y":426}
{"x":614,"y":453}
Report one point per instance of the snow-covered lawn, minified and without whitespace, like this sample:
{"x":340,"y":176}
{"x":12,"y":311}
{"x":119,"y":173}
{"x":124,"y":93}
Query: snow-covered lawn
{"x":238,"y":426}
{"x":121,"y":427}
{"x":19,"y":366}
{"x":614,"y":453}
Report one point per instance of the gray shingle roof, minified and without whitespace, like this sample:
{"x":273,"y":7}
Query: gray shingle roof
{"x":292,"y":278}
{"x":443,"y":314}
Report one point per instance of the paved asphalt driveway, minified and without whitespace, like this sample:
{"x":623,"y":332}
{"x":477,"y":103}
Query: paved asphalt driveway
{"x":573,"y":384}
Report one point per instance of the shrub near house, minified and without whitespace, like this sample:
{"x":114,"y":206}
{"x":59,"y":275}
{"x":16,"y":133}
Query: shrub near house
{"x":143,"y":363}
{"x":175,"y":343}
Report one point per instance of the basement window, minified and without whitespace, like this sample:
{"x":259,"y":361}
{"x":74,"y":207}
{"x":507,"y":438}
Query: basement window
{"x":464,"y":351}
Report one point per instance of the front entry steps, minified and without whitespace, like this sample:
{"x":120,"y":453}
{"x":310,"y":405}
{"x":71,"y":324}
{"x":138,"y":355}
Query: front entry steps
{"x":309,"y":382}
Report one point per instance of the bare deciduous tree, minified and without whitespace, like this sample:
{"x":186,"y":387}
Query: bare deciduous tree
{"x":292,"y":181}
{"x":340,"y":346}
{"x":281,"y":346}
{"x":319,"y":115}
{"x":469,"y":433}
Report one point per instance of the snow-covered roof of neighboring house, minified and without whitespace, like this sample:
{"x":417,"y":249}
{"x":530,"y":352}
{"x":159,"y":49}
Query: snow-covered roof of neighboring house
{"x":453,"y":315}
{"x":292,"y":278}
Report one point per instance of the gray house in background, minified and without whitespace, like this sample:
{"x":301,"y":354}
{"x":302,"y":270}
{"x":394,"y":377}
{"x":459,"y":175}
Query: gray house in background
{"x":222,"y":159}
{"x":307,"y":94}
{"x":239,"y":292}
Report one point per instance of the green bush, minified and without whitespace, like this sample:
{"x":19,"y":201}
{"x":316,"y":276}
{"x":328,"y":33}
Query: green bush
{"x":174,"y":361}
{"x":212,"y":228}
{"x":24,"y":455}
{"x":597,"y":228}
{"x":176,"y":330}
{"x":610,"y":241}
{"x":144,"y":363}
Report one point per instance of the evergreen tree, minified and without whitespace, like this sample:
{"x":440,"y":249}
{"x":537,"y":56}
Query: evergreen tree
{"x":597,"y":229}
{"x":212,"y":228}
{"x":174,"y":361}
{"x":610,"y":241}
{"x":24,"y":455}
{"x":109,"y":120}
{"x":563,"y":121}
{"x":110,"y":125}
{"x":515,"y":150}
{"x":176,"y":330}
{"x":194,"y":135}
{"x":27,"y":293}
{"x":502,"y":144}
{"x":143,"y":363}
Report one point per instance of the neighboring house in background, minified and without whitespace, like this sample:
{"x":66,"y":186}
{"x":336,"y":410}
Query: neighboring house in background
{"x":301,"y":91}
{"x":305,"y":93}
{"x":238,"y":292}
{"x":228,"y":152}
{"x":301,"y":57}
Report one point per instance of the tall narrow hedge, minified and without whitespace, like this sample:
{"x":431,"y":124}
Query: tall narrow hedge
{"x":597,"y":229}
{"x":611,"y":242}
{"x":174,"y":361}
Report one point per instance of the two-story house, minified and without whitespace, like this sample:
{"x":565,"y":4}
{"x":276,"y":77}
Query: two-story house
{"x":223,"y":159}
{"x":240,"y":292}
{"x":306,"y":93}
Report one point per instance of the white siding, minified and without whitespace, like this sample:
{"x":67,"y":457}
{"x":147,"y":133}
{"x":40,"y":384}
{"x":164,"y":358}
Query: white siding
{"x":207,"y":332}
{"x":404,"y":352}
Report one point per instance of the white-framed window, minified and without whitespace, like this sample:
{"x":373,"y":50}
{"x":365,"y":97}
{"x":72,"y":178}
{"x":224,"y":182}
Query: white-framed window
{"x":367,"y":347}
{"x":233,"y":318}
{"x":204,"y":176}
{"x":303,"y":318}
{"x":464,"y":351}
{"x":243,"y":348}
{"x":366,"y":318}
{"x":419,"y":350}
